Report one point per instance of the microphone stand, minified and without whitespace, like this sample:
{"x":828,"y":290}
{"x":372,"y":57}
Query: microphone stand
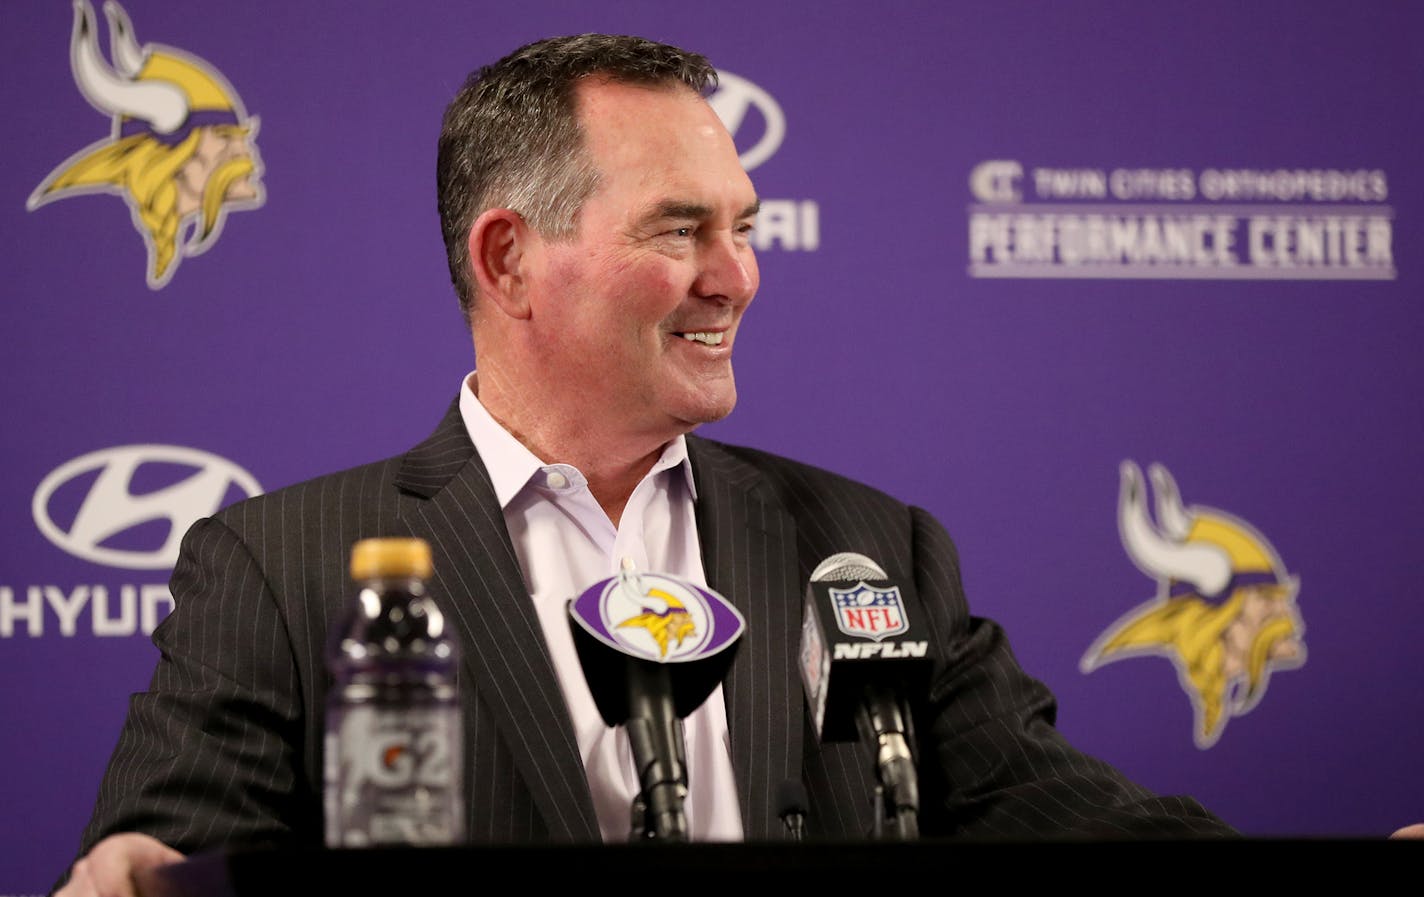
{"x":791,"y":803}
{"x":659,"y":753}
{"x":884,"y":722}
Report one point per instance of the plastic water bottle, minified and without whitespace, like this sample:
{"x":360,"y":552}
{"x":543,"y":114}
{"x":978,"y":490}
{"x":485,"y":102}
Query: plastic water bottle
{"x":394,"y":735}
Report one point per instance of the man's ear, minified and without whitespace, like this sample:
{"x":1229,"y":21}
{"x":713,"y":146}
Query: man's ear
{"x":498,"y":243}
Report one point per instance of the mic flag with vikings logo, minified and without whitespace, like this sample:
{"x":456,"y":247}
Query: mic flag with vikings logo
{"x":653,"y":618}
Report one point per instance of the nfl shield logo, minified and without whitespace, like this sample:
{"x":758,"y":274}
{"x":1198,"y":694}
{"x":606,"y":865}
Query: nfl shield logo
{"x":868,"y":612}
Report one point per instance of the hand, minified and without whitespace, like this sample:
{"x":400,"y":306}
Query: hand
{"x":108,"y":869}
{"x":1410,"y":831}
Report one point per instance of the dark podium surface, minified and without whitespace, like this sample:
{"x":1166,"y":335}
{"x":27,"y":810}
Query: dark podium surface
{"x":412,"y":870}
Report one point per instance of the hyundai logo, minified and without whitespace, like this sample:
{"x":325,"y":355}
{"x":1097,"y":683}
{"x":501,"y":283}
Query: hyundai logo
{"x":734,"y":97}
{"x":109,"y":507}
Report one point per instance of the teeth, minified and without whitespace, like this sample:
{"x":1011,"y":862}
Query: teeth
{"x":702,"y":336}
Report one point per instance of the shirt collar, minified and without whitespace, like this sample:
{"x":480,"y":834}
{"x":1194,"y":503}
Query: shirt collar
{"x":510,"y":463}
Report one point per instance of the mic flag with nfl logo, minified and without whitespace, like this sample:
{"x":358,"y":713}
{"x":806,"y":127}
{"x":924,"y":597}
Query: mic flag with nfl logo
{"x":856,"y":633}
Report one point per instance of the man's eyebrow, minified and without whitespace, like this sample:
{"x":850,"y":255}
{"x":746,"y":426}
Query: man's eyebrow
{"x":694,"y":211}
{"x":677,"y":209}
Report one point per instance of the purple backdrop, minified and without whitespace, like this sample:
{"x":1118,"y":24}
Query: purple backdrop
{"x":1008,"y":247}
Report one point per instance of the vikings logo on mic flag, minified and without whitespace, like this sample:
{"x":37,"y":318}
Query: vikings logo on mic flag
{"x":657,"y":617}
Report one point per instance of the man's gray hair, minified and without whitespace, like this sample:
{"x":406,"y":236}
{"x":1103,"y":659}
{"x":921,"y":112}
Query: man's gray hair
{"x":511,"y":137}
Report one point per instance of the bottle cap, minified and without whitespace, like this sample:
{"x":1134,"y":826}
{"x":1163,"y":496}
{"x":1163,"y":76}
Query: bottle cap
{"x":376,"y":558}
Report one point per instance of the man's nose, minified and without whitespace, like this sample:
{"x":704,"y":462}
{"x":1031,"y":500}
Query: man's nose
{"x":728,"y":270}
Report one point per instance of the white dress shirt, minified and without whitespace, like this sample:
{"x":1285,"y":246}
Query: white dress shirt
{"x":566,"y":543}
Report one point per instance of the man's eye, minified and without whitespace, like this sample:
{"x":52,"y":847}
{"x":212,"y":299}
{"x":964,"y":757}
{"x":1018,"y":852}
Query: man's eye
{"x":681,"y":232}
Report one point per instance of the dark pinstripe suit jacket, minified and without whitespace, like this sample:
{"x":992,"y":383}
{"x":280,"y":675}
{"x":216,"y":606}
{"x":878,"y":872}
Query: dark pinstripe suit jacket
{"x":225,"y":746}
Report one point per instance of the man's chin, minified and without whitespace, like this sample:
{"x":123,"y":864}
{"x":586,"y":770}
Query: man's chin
{"x":694,"y":417}
{"x":701,"y":401}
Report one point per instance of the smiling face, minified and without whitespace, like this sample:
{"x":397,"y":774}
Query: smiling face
{"x":636,"y":314}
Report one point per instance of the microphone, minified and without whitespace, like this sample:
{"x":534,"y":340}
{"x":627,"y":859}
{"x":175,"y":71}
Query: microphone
{"x":653,"y":648}
{"x":791,"y":807}
{"x":864,"y":652}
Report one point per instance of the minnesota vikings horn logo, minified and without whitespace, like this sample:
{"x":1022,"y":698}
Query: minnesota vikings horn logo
{"x":1225,"y":613}
{"x":664,"y":618}
{"x":181,"y":150}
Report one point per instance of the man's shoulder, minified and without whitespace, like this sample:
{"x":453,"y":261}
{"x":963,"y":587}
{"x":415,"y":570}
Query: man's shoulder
{"x":828,"y":511}
{"x":367,"y":480}
{"x":793,"y":481}
{"x":420,"y":470}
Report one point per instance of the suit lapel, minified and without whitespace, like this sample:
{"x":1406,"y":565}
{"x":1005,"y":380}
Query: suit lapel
{"x":749,"y":556}
{"x":505,"y":655}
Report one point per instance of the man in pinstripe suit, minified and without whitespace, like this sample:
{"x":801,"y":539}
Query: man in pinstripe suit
{"x":596,"y":218}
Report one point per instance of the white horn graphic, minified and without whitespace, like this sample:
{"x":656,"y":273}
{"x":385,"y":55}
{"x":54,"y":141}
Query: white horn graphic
{"x":162,"y":105}
{"x":123,"y":46}
{"x":1172,"y":519}
{"x":1205,"y":567}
